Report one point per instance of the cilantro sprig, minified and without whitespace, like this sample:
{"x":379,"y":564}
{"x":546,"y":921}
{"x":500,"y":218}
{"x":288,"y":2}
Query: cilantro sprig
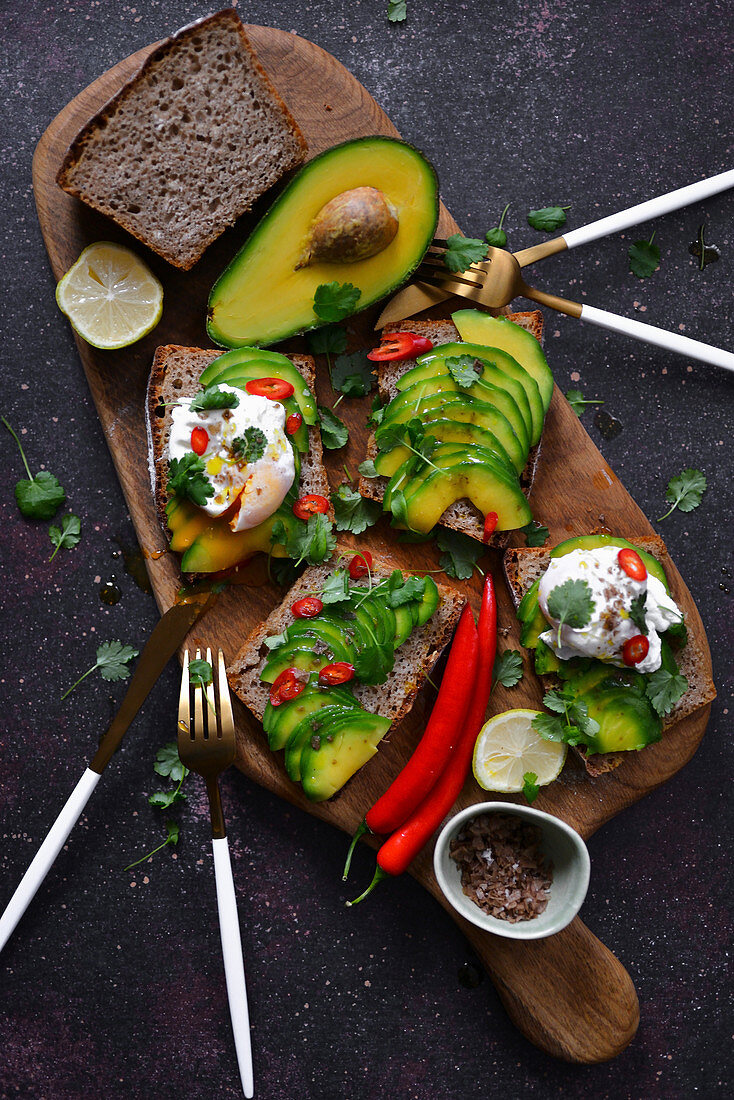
{"x":186,"y":478}
{"x":352,"y":511}
{"x":569,"y":722}
{"x":578,"y":402}
{"x":508,"y":668}
{"x":214,"y":398}
{"x":664,"y":688}
{"x":548,"y":218}
{"x":637,"y":613}
{"x":66,"y":536}
{"x":571,"y":604}
{"x":172,"y":832}
{"x":351,"y":375}
{"x":411,"y":434}
{"x":113,"y":659}
{"x":336,"y":587}
{"x":644,"y":258}
{"x":397,"y":10}
{"x":685,"y":491}
{"x":168,"y":764}
{"x":460,"y":554}
{"x":200,"y":674}
{"x":462,"y":252}
{"x":250,"y":446}
{"x":464,"y":369}
{"x":331,"y":340}
{"x":535,"y":533}
{"x":313,"y":541}
{"x":334,"y":432}
{"x":530,"y":786}
{"x":334,"y":301}
{"x":496,"y":237}
{"x":39,"y":497}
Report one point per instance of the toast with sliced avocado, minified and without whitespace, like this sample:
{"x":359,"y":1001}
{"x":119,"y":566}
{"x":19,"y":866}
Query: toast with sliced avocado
{"x":352,"y":668}
{"x":613,"y":695}
{"x":487,"y":432}
{"x":208,"y":544}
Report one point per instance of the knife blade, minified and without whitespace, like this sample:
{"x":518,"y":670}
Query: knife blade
{"x":410,"y":300}
{"x":166,"y":638}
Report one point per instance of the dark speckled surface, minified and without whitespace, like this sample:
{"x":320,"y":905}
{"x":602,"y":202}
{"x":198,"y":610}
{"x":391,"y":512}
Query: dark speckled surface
{"x":112,"y":986}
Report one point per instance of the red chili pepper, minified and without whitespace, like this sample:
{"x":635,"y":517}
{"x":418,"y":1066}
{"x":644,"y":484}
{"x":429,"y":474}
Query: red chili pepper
{"x":490,"y":522}
{"x":293,"y":423}
{"x":397,"y":853}
{"x":286,"y":686}
{"x":307,"y":608}
{"x":635,"y":650}
{"x":400,"y":345}
{"x":199,"y":440}
{"x":277,"y":389}
{"x":338,"y":673}
{"x":631,"y":562}
{"x":360,"y":565}
{"x":311,"y":505}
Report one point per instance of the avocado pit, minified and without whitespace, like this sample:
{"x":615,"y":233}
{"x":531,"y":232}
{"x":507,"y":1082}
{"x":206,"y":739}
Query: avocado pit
{"x":353,"y":226}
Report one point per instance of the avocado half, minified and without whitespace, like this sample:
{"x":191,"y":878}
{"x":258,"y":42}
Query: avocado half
{"x":262,"y":297}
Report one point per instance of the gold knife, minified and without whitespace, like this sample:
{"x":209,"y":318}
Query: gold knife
{"x":410,"y":300}
{"x":166,"y":638}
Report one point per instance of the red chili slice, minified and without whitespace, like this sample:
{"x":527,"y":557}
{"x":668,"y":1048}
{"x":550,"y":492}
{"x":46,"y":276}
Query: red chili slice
{"x":313,"y":504}
{"x":631,"y":562}
{"x":286,"y":686}
{"x":400,"y":345}
{"x":490,"y":522}
{"x":360,"y":565}
{"x":277,"y":389}
{"x":293,"y":423}
{"x":635,"y":650}
{"x":338,"y":673}
{"x":307,"y":608}
{"x":199,"y":440}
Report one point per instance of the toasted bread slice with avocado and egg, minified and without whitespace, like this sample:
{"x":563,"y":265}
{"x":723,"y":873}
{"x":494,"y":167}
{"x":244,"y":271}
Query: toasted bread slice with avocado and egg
{"x":207,"y":544}
{"x":416,"y":632}
{"x":523,"y":566}
{"x":514,"y":432}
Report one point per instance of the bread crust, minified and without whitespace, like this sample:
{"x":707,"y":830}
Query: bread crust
{"x":227,"y":18}
{"x":522,"y":565}
{"x":462,"y":515}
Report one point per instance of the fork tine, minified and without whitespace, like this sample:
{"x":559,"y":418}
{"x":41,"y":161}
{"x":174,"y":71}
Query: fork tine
{"x":199,"y":729}
{"x":211,"y":717}
{"x":226,"y":717}
{"x":443,"y":275}
{"x":184,"y":720}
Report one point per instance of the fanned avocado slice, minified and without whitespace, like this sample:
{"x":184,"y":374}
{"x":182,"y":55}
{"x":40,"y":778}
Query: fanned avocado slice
{"x":497,"y":332}
{"x":279,"y":722}
{"x":341,"y":747}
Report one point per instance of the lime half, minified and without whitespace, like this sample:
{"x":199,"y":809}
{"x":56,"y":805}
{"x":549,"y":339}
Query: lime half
{"x":110,"y":296}
{"x":507,"y":747}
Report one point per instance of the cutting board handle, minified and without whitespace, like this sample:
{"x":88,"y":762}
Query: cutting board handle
{"x":568,"y":994}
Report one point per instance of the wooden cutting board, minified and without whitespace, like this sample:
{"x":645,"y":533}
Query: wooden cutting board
{"x":568,"y":994}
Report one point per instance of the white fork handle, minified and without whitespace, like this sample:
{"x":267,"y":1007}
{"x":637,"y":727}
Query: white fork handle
{"x":672,"y":341}
{"x":653,"y":208}
{"x":234,"y":967}
{"x":46,"y":854}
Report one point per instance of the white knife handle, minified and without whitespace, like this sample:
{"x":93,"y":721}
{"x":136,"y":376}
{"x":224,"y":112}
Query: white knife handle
{"x":46,"y":854}
{"x":672,"y":341}
{"x":653,"y":208}
{"x":234,"y":967}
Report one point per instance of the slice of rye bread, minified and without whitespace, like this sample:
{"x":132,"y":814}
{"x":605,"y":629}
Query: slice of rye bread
{"x":175,"y":374}
{"x":462,"y":515}
{"x":414,"y":659}
{"x":188,"y":144}
{"x":524,"y":565}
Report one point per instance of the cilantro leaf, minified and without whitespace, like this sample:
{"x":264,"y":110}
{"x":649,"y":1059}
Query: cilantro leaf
{"x":334,"y":433}
{"x":685,"y":491}
{"x":571,"y":603}
{"x":367,"y":468}
{"x":644,"y":258}
{"x":172,"y":832}
{"x":331,"y":340}
{"x":200,"y":673}
{"x":530,"y":786}
{"x":336,"y":587}
{"x":637,"y":613}
{"x":496,"y":237}
{"x":461,"y":252}
{"x":578,"y":402}
{"x":186,"y":478}
{"x":334,"y":301}
{"x":397,"y":10}
{"x":535,"y":533}
{"x":460,"y":553}
{"x":352,"y":374}
{"x":67,"y":535}
{"x":464,"y":369}
{"x":112,"y":661}
{"x":571,"y":723}
{"x":677,"y":633}
{"x":508,"y":668}
{"x":548,"y":218}
{"x":250,"y":446}
{"x":403,"y":590}
{"x":312,"y":542}
{"x":664,"y":689}
{"x":39,"y":497}
{"x":214,"y":398}
{"x":168,"y":762}
{"x":274,"y":641}
{"x":378,"y":411}
{"x":352,"y":511}
{"x":399,"y":508}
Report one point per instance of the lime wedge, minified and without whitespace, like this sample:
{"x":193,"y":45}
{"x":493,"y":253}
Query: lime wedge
{"x":507,"y":747}
{"x":110,"y":296}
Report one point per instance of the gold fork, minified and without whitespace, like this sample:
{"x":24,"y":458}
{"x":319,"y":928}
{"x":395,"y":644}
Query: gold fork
{"x":206,"y":745}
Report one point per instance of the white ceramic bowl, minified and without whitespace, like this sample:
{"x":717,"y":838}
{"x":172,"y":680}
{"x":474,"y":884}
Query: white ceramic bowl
{"x":563,"y":846}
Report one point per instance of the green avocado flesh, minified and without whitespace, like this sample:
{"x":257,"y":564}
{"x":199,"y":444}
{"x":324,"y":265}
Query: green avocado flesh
{"x":483,"y":427}
{"x":615,"y":697}
{"x":326,"y":734}
{"x":232,"y":369}
{"x":497,"y":332}
{"x":265,"y":296}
